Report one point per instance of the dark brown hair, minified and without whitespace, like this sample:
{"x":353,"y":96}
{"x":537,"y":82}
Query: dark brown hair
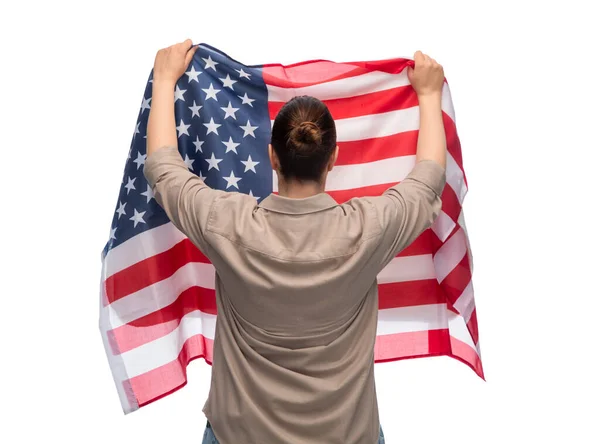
{"x":303,"y":138}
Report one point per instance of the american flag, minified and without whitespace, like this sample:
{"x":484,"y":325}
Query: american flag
{"x":157,"y":304}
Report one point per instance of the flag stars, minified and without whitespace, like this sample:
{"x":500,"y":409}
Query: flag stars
{"x":193,"y":75}
{"x":112,"y":233}
{"x":228,"y":82}
{"x":137,"y":129}
{"x":137,"y":218}
{"x":148,"y":193}
{"x":243,"y":74}
{"x":211,"y":127}
{"x":182,"y":129}
{"x":140,"y":160}
{"x":252,"y":195}
{"x":249,"y":129}
{"x":130,"y":186}
{"x":145,"y":104}
{"x":179,"y":93}
{"x":195,"y":109}
{"x":189,"y":162}
{"x":231,"y":146}
{"x":121,"y":210}
{"x":213,"y":162}
{"x":210,"y":63}
{"x":247,"y":100}
{"x":229,"y":111}
{"x":249,"y":164}
{"x":198,"y":144}
{"x":232,"y":180}
{"x":211,"y":92}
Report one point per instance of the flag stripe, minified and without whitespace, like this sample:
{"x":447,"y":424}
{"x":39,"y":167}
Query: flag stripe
{"x":371,"y":103}
{"x":170,"y":376}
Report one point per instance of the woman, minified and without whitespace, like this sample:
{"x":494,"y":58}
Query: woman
{"x":296,"y":274}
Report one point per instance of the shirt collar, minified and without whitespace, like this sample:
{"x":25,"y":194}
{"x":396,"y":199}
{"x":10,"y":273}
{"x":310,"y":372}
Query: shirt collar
{"x":287,"y":205}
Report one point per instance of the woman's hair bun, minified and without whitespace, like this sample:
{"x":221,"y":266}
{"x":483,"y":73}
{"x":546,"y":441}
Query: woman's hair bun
{"x":306,"y":133}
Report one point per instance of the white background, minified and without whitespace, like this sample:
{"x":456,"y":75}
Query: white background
{"x":524,"y":78}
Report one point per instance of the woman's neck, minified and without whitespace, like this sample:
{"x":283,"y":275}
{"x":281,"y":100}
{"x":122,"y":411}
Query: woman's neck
{"x":299,"y":190}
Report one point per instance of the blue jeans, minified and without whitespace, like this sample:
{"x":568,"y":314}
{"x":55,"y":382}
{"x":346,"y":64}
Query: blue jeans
{"x":209,"y":436}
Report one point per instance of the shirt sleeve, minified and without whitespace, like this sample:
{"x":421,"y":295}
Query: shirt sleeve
{"x":409,"y":208}
{"x":184,"y":196}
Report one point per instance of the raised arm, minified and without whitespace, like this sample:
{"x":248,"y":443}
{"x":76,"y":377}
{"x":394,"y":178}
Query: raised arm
{"x":186,"y":199}
{"x":409,"y":208}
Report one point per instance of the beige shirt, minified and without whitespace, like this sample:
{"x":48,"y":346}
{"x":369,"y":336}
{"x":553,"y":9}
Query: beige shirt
{"x":296,"y":289}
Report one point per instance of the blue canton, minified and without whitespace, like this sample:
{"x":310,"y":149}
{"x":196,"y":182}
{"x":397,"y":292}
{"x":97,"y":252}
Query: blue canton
{"x":223,"y":130}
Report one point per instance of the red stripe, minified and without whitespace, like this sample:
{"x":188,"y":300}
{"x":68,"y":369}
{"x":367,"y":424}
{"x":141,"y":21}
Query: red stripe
{"x":372,"y":150}
{"x":162,"y":322}
{"x":466,"y":354}
{"x":473,"y":326}
{"x":168,"y":378}
{"x":410,"y":293}
{"x":314,"y":72}
{"x":457,"y":280}
{"x":151,"y":270}
{"x":453,"y":142}
{"x":388,"y":100}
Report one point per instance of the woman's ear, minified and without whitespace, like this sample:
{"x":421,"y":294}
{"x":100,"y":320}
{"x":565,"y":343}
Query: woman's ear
{"x":273,"y":158}
{"x":333,"y":158}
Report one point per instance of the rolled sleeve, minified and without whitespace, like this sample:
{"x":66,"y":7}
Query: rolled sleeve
{"x":409,"y":208}
{"x":184,"y":196}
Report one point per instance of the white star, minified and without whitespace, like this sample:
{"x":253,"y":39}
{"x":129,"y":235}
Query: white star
{"x":210,"y":63}
{"x":193,"y":75}
{"x":195,"y":109}
{"x":228,"y":82}
{"x":250,"y":164}
{"x":231,"y":146}
{"x":189,"y":162}
{"x":137,"y":218}
{"x":112,"y":233}
{"x":232,"y":181}
{"x":179,"y":93}
{"x":211,"y":92}
{"x":137,"y":129}
{"x":182,"y":129}
{"x":213,"y":162}
{"x":130,"y":185}
{"x":211,"y":127}
{"x":246,"y":100}
{"x":242,"y":73}
{"x":229,"y":111}
{"x":121,"y":210}
{"x":198,"y":144}
{"x":141,"y":158}
{"x":248,"y":130}
{"x":252,"y":195}
{"x":148,"y":193}
{"x":146,"y":104}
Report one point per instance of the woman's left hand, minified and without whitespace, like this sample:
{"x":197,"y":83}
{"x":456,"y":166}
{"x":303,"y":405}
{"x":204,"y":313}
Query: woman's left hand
{"x":170,"y":63}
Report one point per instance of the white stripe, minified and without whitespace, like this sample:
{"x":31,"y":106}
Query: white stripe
{"x":159,"y":295}
{"x":385,"y":171}
{"x":449,"y":255}
{"x":410,"y":319}
{"x":458,"y":329}
{"x":407,"y":268}
{"x":455,"y":178}
{"x":166,"y":349}
{"x":140,"y":247}
{"x":443,"y":226}
{"x":337,"y":89}
{"x":465,"y":304}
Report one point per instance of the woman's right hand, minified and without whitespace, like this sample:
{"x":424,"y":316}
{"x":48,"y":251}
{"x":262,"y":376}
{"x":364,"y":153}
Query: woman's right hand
{"x":427,"y":77}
